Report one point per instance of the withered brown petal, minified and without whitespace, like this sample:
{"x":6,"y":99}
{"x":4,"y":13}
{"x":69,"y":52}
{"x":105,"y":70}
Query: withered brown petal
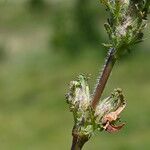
{"x":112,"y":129}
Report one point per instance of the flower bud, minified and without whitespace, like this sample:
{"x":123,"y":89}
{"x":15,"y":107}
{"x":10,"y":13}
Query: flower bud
{"x":79,"y":95}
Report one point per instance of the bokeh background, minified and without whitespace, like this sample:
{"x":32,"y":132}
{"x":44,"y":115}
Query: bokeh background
{"x":43,"y":45}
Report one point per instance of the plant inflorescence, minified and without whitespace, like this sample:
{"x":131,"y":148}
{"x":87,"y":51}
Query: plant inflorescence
{"x":127,"y":19}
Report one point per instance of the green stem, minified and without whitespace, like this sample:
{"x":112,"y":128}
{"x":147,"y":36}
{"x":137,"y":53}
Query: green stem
{"x":110,"y":61}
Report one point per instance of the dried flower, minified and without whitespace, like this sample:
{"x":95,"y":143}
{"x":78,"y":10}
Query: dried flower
{"x":108,"y":110}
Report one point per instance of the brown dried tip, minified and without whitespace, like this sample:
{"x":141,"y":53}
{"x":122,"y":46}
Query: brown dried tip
{"x":112,"y":129}
{"x":110,"y":118}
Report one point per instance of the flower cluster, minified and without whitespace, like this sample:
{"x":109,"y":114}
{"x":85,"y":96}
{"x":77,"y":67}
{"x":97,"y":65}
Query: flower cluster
{"x":125,"y":25}
{"x":78,"y":99}
{"x":86,"y":119}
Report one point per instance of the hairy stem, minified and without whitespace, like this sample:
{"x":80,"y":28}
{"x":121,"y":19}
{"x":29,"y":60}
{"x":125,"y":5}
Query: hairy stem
{"x":110,"y":61}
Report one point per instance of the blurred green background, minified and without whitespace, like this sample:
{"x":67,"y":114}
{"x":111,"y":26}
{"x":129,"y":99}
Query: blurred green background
{"x":43,"y":45}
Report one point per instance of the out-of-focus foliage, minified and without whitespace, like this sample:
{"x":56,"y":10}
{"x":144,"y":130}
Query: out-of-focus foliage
{"x":33,"y":77}
{"x":36,"y":4}
{"x":76,"y":26}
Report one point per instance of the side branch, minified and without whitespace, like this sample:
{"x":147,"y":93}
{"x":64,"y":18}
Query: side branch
{"x":110,"y":61}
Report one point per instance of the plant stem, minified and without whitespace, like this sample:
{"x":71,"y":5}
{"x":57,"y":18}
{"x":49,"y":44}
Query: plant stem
{"x":78,"y":141}
{"x":109,"y":63}
{"x":76,"y":144}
